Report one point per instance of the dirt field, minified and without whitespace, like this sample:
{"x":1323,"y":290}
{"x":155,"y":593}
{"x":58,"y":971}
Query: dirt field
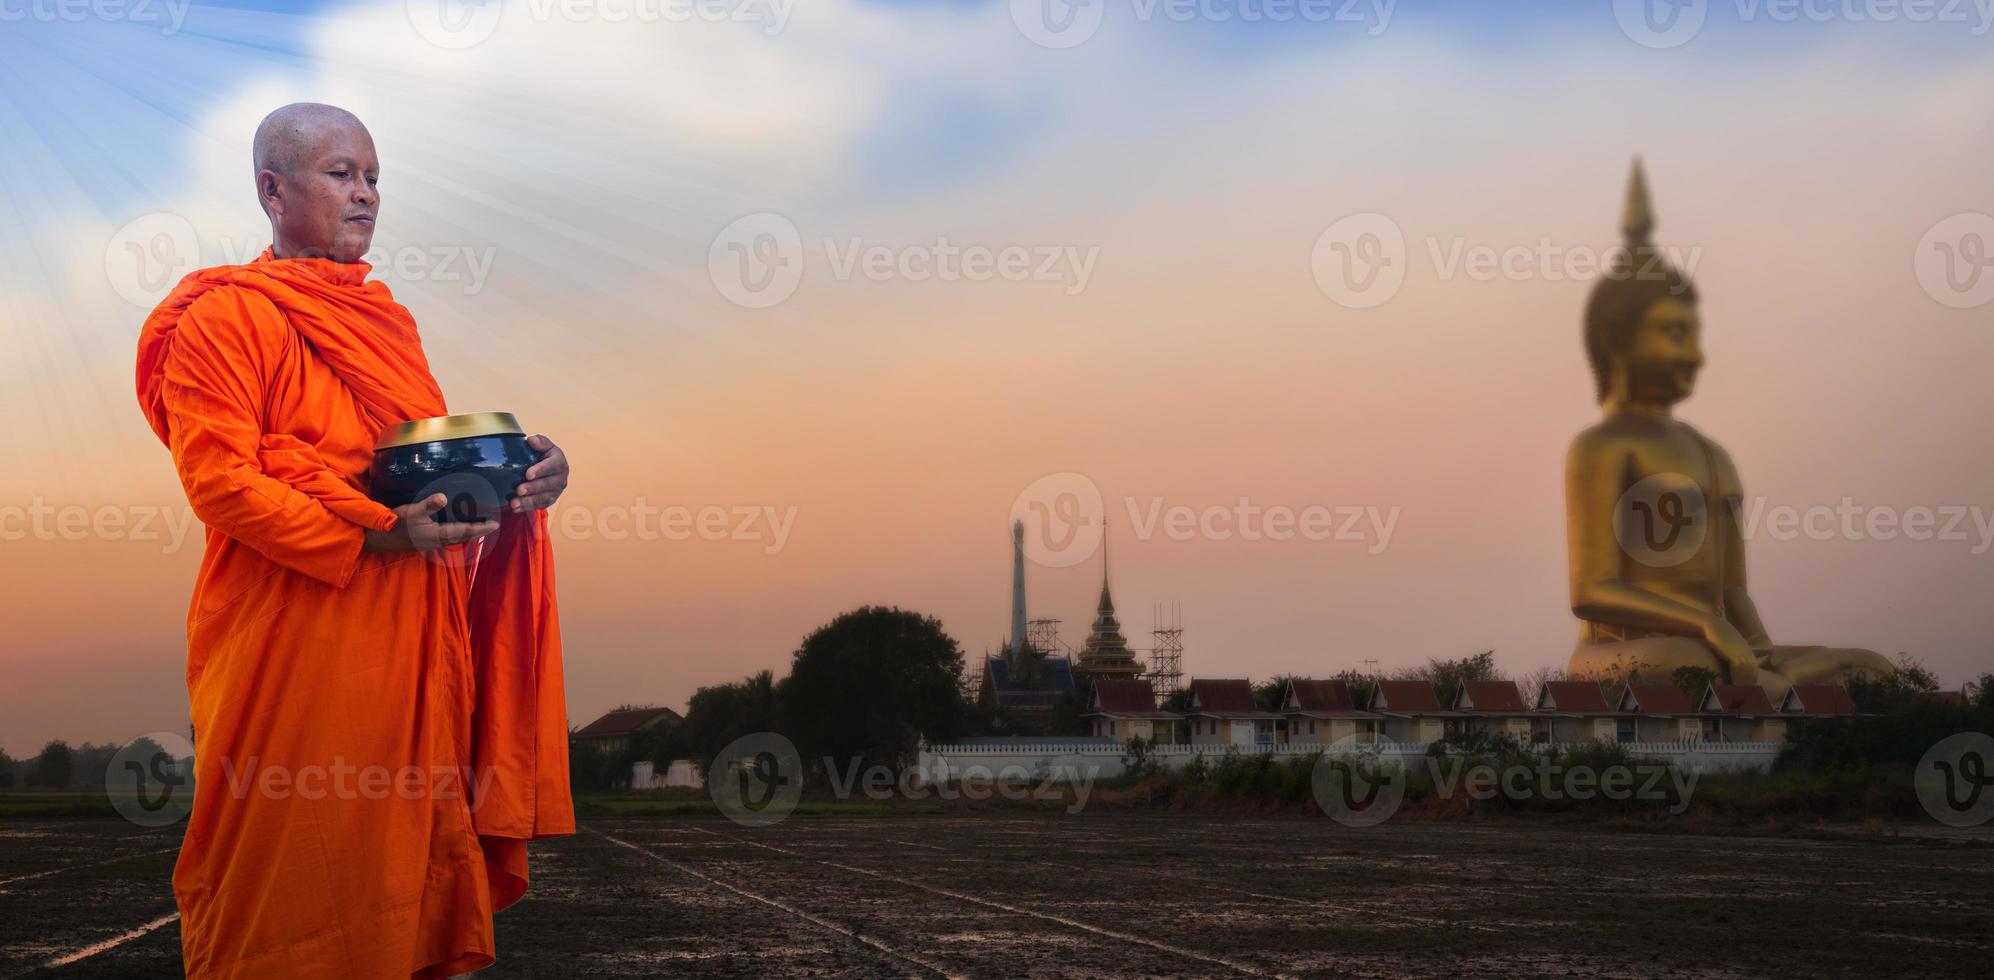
{"x":1106,"y":895}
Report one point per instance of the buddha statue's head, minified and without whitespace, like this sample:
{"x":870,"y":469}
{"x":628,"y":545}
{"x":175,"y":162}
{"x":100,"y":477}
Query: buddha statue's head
{"x":1641,"y":328}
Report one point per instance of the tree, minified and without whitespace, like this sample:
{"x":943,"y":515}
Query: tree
{"x":1360,"y":683}
{"x":1532,"y":684}
{"x":6,"y":770}
{"x":871,"y":683}
{"x":1907,"y":685}
{"x":1179,"y":701}
{"x":1267,"y":696}
{"x":588,"y":768}
{"x":54,"y":767}
{"x":717,"y":715}
{"x":1693,"y":681}
{"x":660,"y":745}
{"x":1448,"y":675}
{"x":1066,"y":715}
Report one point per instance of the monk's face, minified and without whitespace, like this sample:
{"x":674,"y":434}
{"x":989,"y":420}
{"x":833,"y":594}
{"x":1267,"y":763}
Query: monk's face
{"x":1665,"y":353}
{"x":325,"y":207}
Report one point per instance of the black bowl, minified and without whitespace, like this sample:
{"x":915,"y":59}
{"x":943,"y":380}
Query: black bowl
{"x":477,"y":460}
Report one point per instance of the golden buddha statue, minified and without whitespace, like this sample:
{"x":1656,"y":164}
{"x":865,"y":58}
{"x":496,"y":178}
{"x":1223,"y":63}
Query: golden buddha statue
{"x":1651,"y":505}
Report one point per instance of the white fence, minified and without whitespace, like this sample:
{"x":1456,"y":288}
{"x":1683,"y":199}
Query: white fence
{"x":1062,"y":761}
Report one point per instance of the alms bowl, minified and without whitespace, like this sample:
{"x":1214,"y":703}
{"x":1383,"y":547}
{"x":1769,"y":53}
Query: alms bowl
{"x":476,"y":460}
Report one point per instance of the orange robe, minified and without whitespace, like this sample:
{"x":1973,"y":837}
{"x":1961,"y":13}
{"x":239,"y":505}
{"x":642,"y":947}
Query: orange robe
{"x":376,"y":735}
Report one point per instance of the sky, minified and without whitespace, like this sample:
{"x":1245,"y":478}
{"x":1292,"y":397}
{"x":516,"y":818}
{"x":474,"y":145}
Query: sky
{"x":818,"y":296}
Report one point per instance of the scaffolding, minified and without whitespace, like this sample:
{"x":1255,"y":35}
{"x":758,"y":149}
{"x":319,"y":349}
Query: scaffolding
{"x":1166,"y":658}
{"x":1043,"y":635}
{"x":972,"y":680}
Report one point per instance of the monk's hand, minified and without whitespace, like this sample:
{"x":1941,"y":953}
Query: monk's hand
{"x":418,"y":530}
{"x":545,"y":479}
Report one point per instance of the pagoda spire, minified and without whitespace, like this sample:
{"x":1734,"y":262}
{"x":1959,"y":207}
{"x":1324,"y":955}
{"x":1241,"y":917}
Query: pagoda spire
{"x":1107,"y":653}
{"x":1015,"y":649}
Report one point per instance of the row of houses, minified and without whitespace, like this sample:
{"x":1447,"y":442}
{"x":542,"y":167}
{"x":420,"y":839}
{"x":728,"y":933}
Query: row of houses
{"x":1224,"y":712}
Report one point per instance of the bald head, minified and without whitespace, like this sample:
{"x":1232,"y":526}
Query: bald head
{"x":315,"y":177}
{"x":287,"y":134}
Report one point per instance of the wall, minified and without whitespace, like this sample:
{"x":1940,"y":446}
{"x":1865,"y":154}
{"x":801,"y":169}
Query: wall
{"x":1027,"y":759}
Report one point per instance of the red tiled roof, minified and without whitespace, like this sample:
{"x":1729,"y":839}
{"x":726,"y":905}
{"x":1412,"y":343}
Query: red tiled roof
{"x":1819,"y":699}
{"x":623,"y":721}
{"x":1310,"y":695}
{"x":1658,"y":699}
{"x":1124,"y":696}
{"x":1581,"y":696}
{"x":1405,"y":696}
{"x":1224,"y":697}
{"x":1486,"y":697}
{"x":1740,"y":699}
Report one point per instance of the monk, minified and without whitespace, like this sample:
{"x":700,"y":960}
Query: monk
{"x":376,"y":696}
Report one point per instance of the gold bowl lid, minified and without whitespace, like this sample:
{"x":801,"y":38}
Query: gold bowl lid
{"x":445,"y":427}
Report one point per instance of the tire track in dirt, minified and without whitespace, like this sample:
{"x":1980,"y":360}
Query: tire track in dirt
{"x":96,"y":948}
{"x":1233,"y":964}
{"x":4,"y":882}
{"x":926,"y":965}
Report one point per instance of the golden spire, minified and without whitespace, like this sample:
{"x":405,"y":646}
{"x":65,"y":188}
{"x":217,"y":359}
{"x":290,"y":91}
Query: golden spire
{"x":1637,"y":216}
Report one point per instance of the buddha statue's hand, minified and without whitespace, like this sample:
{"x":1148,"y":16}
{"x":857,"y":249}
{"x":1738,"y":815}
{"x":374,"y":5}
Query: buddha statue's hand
{"x":1734,"y":650}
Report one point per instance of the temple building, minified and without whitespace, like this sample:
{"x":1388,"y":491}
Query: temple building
{"x":1022,"y":677}
{"x":1107,"y":653}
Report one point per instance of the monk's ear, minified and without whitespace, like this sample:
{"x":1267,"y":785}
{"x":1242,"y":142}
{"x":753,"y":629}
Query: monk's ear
{"x":267,"y":191}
